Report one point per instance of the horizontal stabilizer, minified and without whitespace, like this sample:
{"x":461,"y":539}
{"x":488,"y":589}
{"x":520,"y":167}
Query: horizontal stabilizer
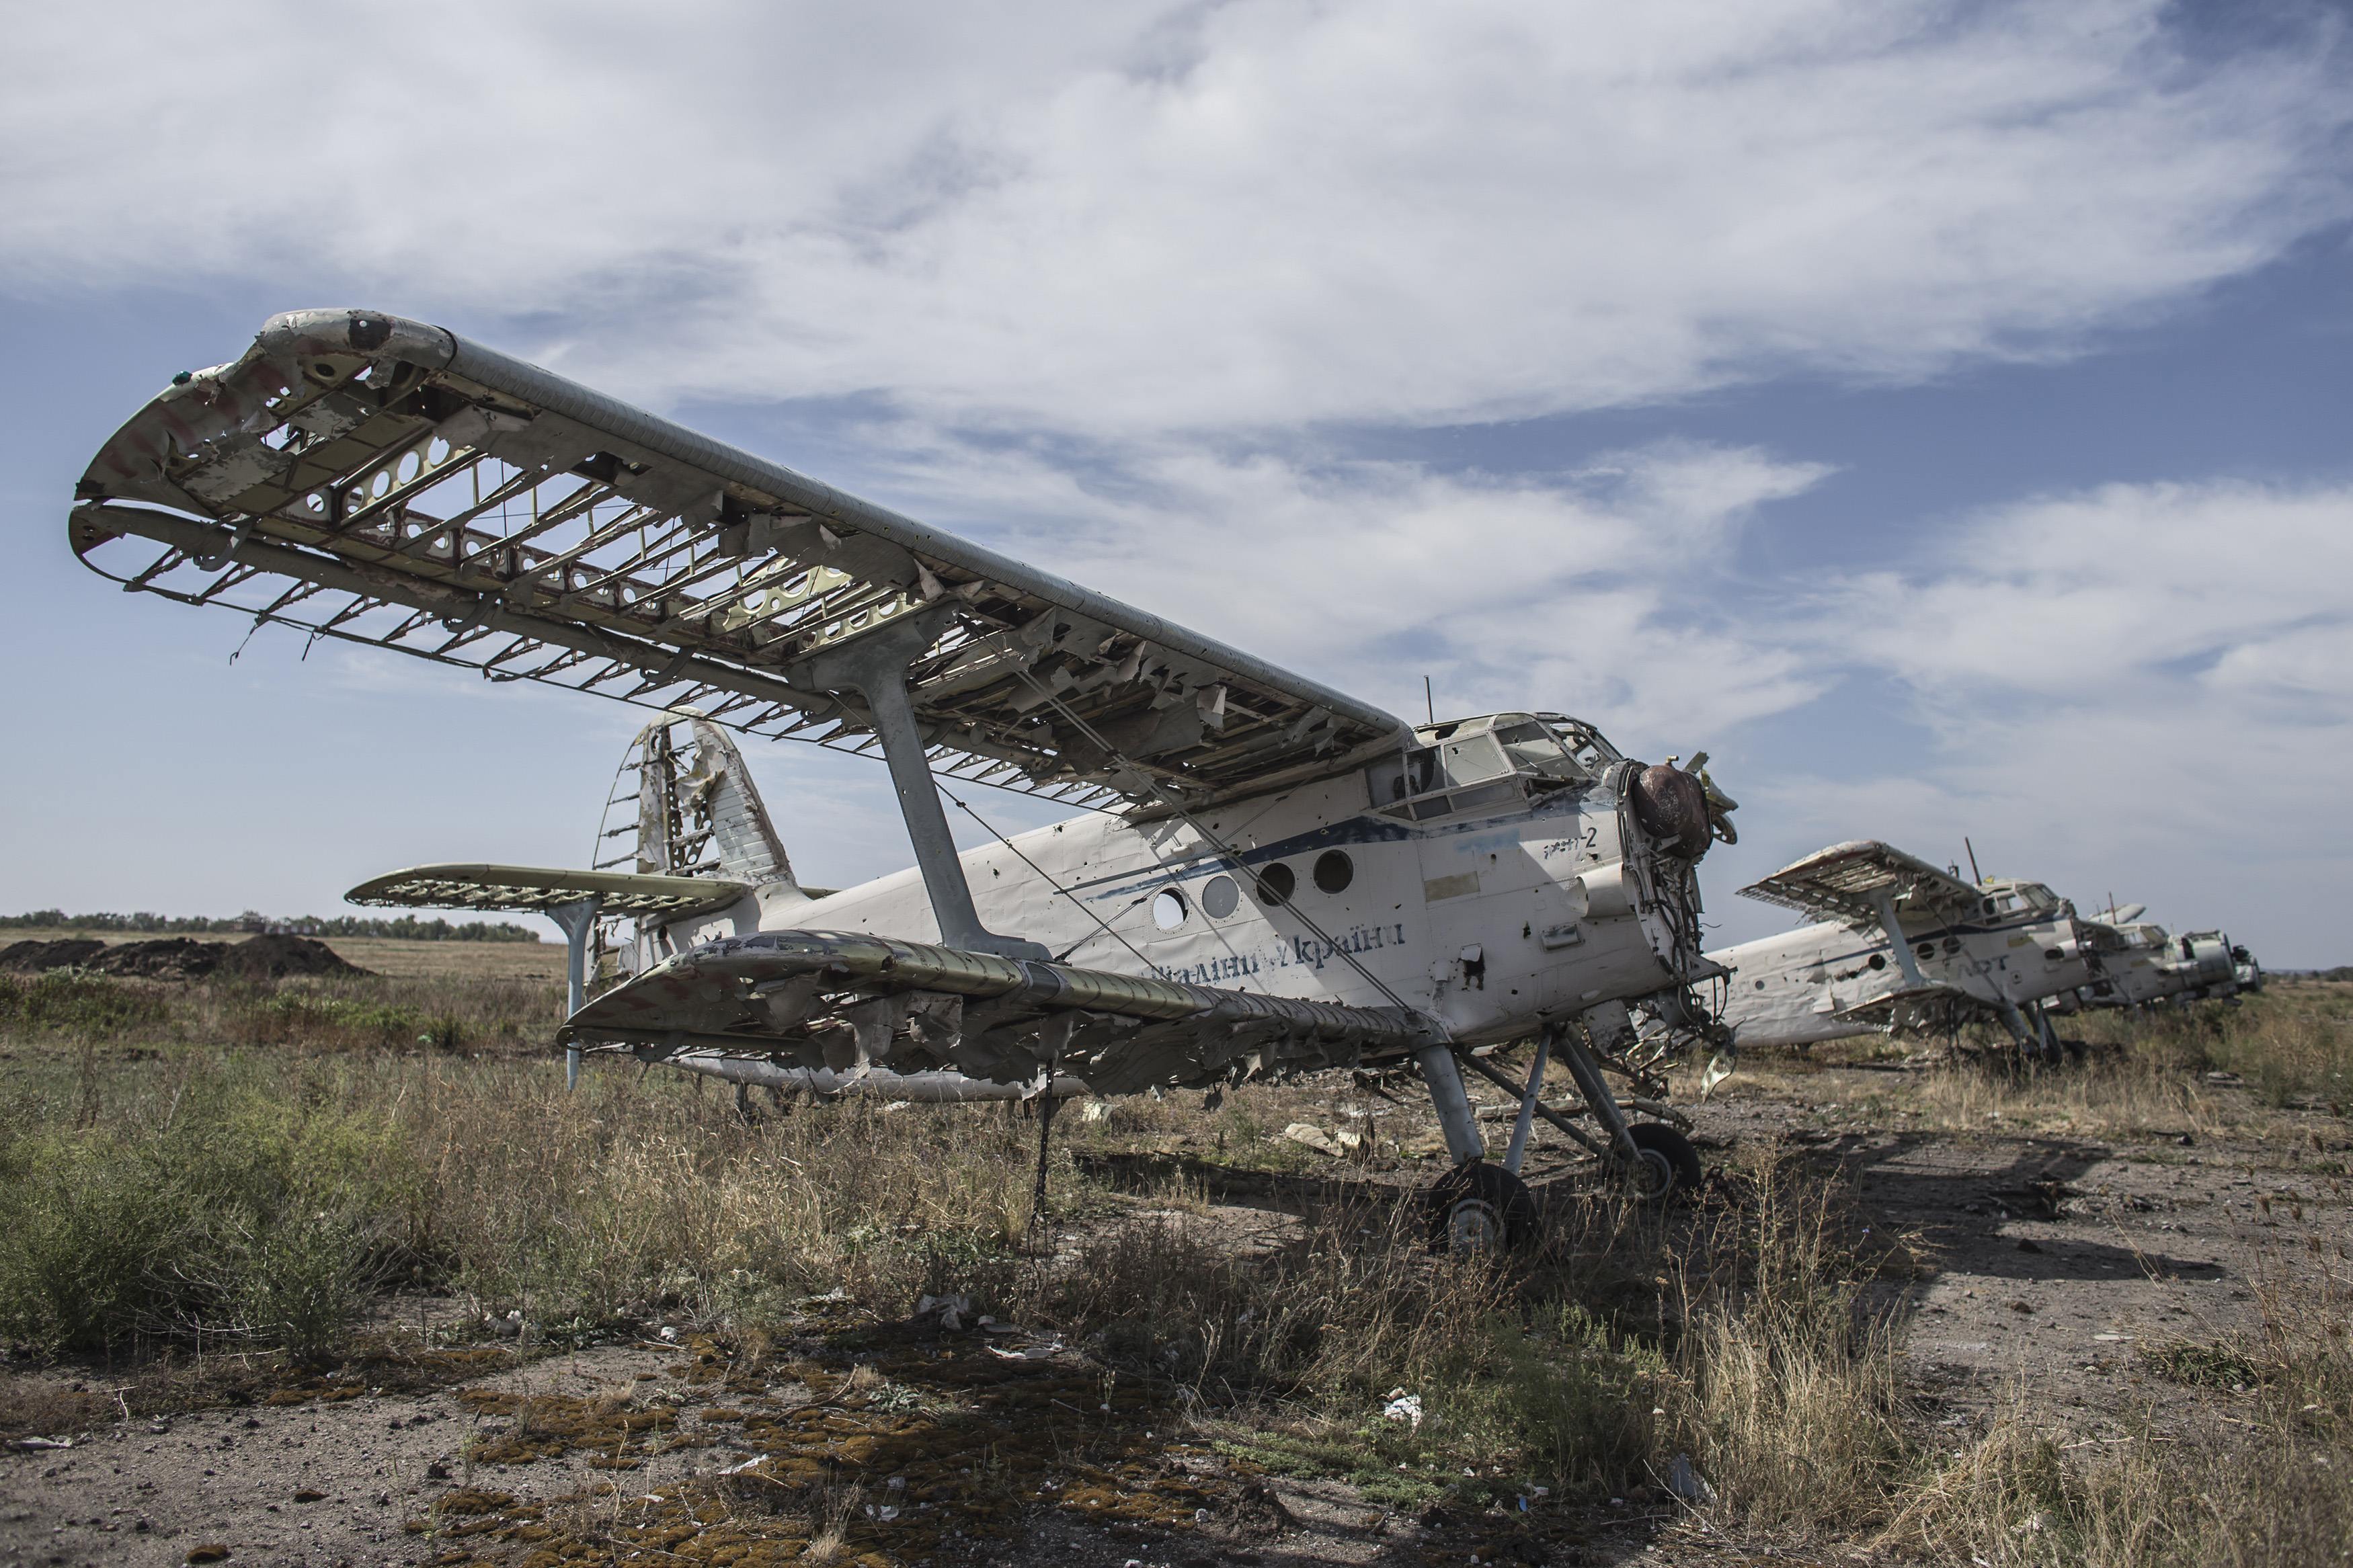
{"x":851,"y":1003}
{"x":536,"y":889}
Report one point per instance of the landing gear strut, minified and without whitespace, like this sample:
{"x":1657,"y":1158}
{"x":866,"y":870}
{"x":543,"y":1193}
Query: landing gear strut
{"x":1482,"y":1206}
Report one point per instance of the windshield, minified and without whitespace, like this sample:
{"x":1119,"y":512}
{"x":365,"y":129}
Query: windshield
{"x":1488,"y":754}
{"x":1554,"y":747}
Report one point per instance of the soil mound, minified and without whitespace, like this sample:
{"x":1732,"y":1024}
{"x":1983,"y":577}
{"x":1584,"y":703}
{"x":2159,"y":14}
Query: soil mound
{"x":166,"y":958}
{"x":182,"y":958}
{"x":276,"y":957}
{"x":32,"y":957}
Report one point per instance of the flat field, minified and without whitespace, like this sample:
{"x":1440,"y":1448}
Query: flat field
{"x":335,"y":1271}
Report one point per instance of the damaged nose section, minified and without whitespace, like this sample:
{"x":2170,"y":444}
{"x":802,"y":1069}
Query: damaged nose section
{"x":1674,"y":808}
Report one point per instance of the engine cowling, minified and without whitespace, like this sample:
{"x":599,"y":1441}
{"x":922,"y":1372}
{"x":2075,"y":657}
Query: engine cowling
{"x":1671,"y":806}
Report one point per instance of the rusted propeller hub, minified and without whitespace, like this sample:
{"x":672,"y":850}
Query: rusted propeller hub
{"x":1671,"y":806}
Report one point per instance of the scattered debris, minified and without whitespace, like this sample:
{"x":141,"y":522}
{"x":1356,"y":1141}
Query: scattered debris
{"x":1685,"y":1481}
{"x":1258,"y":1512}
{"x":1403,"y":1407}
{"x":1313,"y":1137}
{"x":953,"y":1311}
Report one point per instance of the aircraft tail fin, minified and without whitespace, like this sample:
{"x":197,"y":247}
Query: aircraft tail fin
{"x":684,"y":805}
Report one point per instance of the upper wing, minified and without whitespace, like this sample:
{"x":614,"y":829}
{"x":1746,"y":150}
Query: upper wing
{"x":535,"y":890}
{"x":364,"y":476}
{"x":1840,"y":883}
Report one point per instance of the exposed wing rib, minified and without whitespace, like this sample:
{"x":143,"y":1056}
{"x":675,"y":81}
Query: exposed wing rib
{"x":1841,"y":883}
{"x":427,"y":494}
{"x":844,"y":1001}
{"x":535,"y":890}
{"x":1915,"y":1006}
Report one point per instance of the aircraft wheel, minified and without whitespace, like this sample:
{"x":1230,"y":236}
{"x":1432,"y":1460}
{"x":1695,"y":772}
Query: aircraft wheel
{"x":1665,"y":1163}
{"x":1478,"y":1207}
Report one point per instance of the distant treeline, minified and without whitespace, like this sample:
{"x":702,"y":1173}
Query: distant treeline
{"x":407,"y":927}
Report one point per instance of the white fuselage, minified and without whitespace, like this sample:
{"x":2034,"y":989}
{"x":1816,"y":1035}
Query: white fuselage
{"x":1492,"y":910}
{"x":1804,"y":985}
{"x":2153,"y":967}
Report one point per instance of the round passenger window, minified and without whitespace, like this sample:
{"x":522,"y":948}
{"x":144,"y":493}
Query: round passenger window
{"x":1878,"y":961}
{"x":1335,"y":871}
{"x":1220,"y":897}
{"x":1276,"y":884}
{"x":1168,"y":909}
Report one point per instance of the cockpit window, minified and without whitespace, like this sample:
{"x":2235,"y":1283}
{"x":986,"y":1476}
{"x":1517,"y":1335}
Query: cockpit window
{"x":1474,"y":759}
{"x":1535,"y":748}
{"x":1543,"y":747}
{"x":1582,"y":742}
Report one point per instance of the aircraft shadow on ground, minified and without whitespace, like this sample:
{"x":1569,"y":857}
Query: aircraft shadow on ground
{"x":1960,"y":1213}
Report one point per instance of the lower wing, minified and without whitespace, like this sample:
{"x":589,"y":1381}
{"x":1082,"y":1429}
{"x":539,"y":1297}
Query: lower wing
{"x":849,"y":1003}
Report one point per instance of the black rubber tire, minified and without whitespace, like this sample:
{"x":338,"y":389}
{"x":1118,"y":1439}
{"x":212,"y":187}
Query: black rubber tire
{"x":1478,"y":1196}
{"x":1671,"y":1165}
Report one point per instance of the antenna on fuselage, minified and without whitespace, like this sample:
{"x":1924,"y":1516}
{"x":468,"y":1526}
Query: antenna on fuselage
{"x":1977,"y":876}
{"x":1428,"y":702}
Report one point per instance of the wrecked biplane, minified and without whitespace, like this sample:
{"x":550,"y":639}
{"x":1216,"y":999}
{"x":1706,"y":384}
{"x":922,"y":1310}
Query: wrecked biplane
{"x":1278,"y":878}
{"x":2147,"y":966}
{"x":1896,"y":942}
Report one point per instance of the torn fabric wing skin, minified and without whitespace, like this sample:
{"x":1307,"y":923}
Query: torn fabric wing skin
{"x":375,"y":480}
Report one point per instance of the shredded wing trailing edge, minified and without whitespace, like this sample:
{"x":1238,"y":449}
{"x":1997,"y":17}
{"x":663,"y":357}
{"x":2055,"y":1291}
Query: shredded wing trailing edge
{"x":361,"y":477}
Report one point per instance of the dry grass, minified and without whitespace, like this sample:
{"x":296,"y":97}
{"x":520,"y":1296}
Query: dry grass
{"x":2210,"y":1070}
{"x":370,"y":1013}
{"x":1779,"y":1338}
{"x":268,"y":1132}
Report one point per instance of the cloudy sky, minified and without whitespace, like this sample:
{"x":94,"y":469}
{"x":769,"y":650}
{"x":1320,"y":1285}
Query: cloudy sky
{"x":1936,"y":412}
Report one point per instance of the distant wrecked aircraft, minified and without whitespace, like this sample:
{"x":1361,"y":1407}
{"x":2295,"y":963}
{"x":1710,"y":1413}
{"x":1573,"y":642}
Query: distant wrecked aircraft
{"x":1279,"y":879}
{"x":2148,"y":966}
{"x":1897,"y":943}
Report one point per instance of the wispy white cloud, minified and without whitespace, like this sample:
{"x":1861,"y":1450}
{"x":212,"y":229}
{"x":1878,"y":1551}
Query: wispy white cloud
{"x":1127,"y":217}
{"x":1595,"y":591}
{"x":2144,"y":688}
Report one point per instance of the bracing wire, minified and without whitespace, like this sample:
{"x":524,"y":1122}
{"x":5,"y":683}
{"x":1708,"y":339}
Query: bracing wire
{"x":1215,"y":842}
{"x":990,"y":829}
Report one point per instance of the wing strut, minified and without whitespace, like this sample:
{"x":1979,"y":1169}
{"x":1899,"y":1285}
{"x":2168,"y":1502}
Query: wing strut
{"x":1884,"y":902}
{"x":875,"y":665}
{"x":578,"y":920}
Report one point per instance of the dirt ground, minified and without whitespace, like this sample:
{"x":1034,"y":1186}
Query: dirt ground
{"x":2057,"y":1264}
